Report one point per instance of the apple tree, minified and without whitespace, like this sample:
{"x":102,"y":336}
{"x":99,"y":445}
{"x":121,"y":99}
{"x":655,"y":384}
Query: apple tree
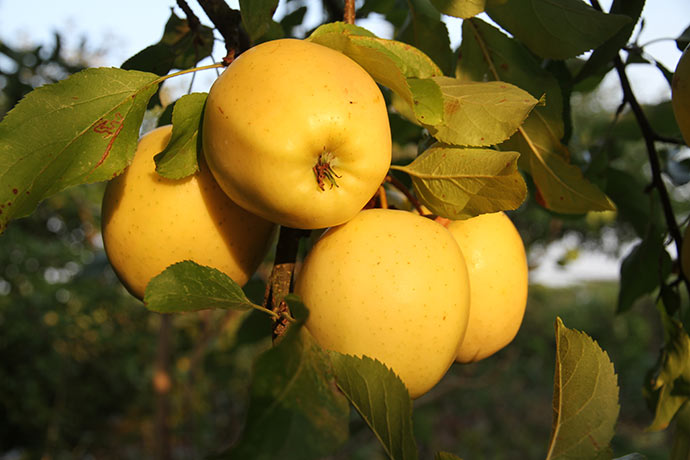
{"x":440,"y":137}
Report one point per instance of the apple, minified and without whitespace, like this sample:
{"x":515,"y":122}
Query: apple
{"x":680,"y":94}
{"x":150,"y":222}
{"x":297,"y":133}
{"x":497,"y":267}
{"x":390,"y":285}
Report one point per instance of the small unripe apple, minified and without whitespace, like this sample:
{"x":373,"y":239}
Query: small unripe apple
{"x":680,"y":94}
{"x":150,"y":222}
{"x":497,"y":267}
{"x":297,"y":133}
{"x":390,"y":285}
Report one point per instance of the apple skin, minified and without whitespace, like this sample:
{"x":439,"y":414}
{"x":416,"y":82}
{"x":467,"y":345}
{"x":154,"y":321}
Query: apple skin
{"x":276,"y":111}
{"x":680,"y":94}
{"x":497,"y":267}
{"x":150,"y":222}
{"x":390,"y":285}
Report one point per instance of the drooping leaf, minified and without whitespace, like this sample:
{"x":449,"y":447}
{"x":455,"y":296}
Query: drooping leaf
{"x":585,"y":399}
{"x":179,"y":159}
{"x":643,"y":269}
{"x":562,"y":185}
{"x":180,"y":48}
{"x":672,"y":370}
{"x":399,"y":66}
{"x":480,"y":113}
{"x":601,"y":59}
{"x":295,"y":408}
{"x":459,"y":183}
{"x":487,"y":53}
{"x":80,"y":130}
{"x":555,"y":30}
{"x":460,"y":8}
{"x":381,"y":399}
{"x":187,"y":286}
{"x":257,"y":16}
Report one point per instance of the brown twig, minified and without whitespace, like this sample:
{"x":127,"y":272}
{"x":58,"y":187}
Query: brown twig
{"x":400,"y":186}
{"x":192,"y":19}
{"x":349,"y":13}
{"x":280,"y":282}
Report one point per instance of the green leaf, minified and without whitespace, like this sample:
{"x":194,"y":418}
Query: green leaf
{"x":179,"y":48}
{"x":669,"y":374}
{"x":381,"y":399}
{"x":602,"y":57}
{"x":399,"y":66}
{"x":257,"y":16}
{"x":446,"y":456}
{"x":179,"y":159}
{"x":643,"y":270}
{"x":480,"y":113}
{"x":635,"y":205}
{"x":80,"y":130}
{"x":555,"y":30}
{"x":295,"y":408}
{"x":187,"y":286}
{"x":459,"y":183}
{"x":585,"y":399}
{"x":460,"y":8}
{"x":429,"y":34}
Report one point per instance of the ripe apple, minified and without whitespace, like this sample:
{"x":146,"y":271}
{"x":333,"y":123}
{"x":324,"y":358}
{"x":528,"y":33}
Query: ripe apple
{"x":497,"y":267}
{"x":297,"y":133}
{"x":680,"y":94}
{"x":390,"y":285}
{"x":150,"y":222}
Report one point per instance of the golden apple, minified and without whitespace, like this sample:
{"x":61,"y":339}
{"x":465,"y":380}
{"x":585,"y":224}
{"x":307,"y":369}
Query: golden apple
{"x":297,"y":133}
{"x":390,"y":285}
{"x":497,"y":267}
{"x":150,"y":222}
{"x":680,"y":94}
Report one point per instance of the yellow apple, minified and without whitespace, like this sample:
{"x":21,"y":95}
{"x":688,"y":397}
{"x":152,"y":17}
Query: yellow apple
{"x":390,"y":285}
{"x":680,"y":94}
{"x":150,"y":222}
{"x":497,"y":267}
{"x":297,"y":133}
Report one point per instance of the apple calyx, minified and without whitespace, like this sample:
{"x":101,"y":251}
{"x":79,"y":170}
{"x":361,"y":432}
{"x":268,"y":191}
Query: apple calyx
{"x":324,"y":171}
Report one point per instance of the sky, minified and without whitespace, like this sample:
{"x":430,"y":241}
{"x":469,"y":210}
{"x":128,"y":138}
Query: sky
{"x":120,"y":29}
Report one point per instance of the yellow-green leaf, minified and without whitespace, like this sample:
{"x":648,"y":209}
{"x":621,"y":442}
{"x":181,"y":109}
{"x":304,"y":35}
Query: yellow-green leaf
{"x":460,"y":8}
{"x":480,"y":113}
{"x":585,"y":398}
{"x":562,"y":186}
{"x":458,"y":183}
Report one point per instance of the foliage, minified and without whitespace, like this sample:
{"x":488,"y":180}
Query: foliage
{"x":488,"y":127}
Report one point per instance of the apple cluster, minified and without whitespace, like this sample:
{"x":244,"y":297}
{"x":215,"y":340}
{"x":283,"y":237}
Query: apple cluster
{"x":297,"y":134}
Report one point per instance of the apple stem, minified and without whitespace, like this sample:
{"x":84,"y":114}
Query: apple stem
{"x":349,"y":13}
{"x":324,"y":171}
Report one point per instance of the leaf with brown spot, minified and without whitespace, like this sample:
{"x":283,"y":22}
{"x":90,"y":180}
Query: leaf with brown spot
{"x":80,"y":130}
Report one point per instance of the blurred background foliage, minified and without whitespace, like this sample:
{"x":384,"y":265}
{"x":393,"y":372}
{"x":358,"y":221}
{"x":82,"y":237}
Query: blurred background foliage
{"x":77,"y":352}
